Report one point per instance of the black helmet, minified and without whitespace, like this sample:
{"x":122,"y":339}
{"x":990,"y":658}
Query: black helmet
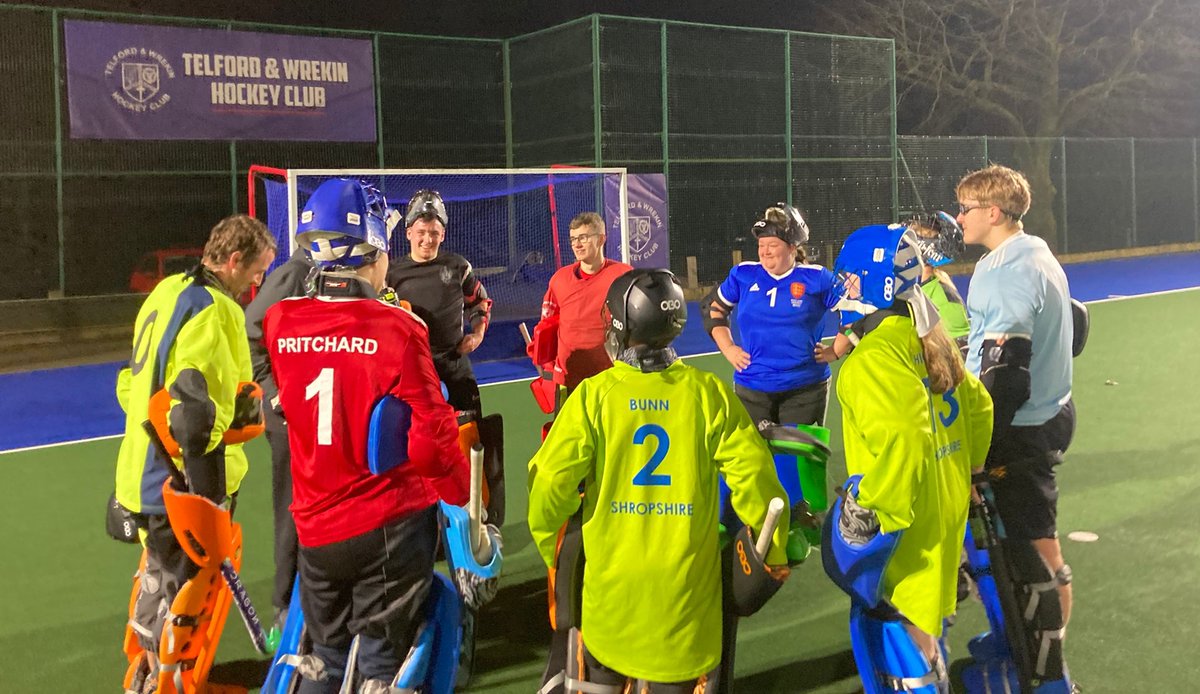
{"x":644,"y":307}
{"x":784,"y":222}
{"x":939,"y":237}
{"x":425,"y":203}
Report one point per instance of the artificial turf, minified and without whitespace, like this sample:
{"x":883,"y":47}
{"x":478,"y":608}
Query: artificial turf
{"x":1131,"y":476}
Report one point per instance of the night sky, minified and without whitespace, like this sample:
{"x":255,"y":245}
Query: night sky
{"x":481,"y":18}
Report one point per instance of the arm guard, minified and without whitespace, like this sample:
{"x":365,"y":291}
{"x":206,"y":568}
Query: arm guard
{"x":710,"y":303}
{"x":1005,"y":373}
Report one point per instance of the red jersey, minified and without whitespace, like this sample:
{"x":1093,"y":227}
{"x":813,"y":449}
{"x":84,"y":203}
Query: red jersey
{"x":578,"y":299}
{"x":333,"y":359}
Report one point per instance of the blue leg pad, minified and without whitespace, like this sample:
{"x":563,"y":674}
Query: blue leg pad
{"x":886,"y":654}
{"x":279,"y":677}
{"x":432,"y":662}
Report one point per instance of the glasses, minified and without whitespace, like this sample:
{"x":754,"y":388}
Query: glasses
{"x":580,"y":239}
{"x":963,"y":209}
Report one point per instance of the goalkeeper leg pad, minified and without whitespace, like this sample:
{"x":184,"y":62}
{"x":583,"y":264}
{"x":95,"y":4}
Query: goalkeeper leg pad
{"x":888,"y":659}
{"x":491,"y":435}
{"x":292,"y":648}
{"x":432,"y":663}
{"x":1037,"y":611}
{"x":197,"y":614}
{"x":564,"y":593}
{"x":856,"y":565}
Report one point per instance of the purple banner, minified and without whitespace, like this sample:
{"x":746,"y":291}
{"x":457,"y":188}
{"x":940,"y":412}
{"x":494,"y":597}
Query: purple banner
{"x":649,"y":240}
{"x":135,"y":82}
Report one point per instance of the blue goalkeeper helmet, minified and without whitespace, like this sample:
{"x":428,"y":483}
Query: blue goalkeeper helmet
{"x":885,"y":260}
{"x":345,"y":223}
{"x":939,"y":237}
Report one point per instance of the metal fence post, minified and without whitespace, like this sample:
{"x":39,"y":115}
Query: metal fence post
{"x":1063,"y":171}
{"x":1131,"y":240}
{"x":58,"y":159}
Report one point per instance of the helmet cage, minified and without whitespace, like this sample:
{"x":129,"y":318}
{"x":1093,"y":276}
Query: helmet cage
{"x":939,"y":238}
{"x":428,"y":204}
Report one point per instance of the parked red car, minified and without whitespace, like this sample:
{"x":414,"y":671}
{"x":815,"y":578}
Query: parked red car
{"x":154,"y":266}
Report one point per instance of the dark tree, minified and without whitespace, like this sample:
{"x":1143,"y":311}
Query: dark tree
{"x":1038,"y":69}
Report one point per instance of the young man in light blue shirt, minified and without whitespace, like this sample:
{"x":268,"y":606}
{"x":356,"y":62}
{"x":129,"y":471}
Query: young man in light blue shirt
{"x":1020,"y":345}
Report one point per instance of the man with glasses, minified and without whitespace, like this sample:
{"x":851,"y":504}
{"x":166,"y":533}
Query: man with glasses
{"x":1020,"y":345}
{"x":572,"y":319}
{"x":575,"y":298}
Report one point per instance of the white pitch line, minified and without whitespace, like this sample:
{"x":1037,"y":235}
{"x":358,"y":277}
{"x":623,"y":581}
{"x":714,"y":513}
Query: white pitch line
{"x":1123,"y":297}
{"x":60,"y":443}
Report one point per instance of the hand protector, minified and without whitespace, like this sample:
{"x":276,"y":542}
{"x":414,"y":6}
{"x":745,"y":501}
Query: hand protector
{"x":247,"y":414}
{"x":118,"y":522}
{"x":753,"y":583}
{"x":854,"y":550}
{"x":1082,"y":323}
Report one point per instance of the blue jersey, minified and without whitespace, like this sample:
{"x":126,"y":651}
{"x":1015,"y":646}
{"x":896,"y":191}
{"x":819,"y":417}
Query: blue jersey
{"x":1019,"y":289}
{"x":779,"y":322}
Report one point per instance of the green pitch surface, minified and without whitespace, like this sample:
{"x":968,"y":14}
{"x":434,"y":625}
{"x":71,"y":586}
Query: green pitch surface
{"x":1132,"y":477}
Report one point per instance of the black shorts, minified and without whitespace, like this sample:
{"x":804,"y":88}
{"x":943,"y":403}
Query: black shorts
{"x":1021,"y":469}
{"x":804,"y":405}
{"x":375,"y":584}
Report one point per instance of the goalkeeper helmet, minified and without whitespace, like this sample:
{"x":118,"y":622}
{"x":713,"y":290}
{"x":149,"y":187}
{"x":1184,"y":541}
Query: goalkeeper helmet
{"x":784,"y":222}
{"x":426,"y":204}
{"x":643,"y":307}
{"x":345,"y":223}
{"x":939,"y":237}
{"x":877,"y":265}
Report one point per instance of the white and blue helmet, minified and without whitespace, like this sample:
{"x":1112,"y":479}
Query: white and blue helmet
{"x":345,"y":223}
{"x":887,"y":262}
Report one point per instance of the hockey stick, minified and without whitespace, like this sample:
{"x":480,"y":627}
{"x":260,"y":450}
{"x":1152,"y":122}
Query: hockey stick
{"x":984,"y":517}
{"x":237,"y":589}
{"x":481,"y":542}
{"x":774,"y":510}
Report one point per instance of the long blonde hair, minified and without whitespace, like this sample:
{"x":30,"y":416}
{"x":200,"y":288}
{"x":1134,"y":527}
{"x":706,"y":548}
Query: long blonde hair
{"x":943,"y":360}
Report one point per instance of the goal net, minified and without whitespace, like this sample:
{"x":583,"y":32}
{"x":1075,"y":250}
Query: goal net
{"x":512,"y":225}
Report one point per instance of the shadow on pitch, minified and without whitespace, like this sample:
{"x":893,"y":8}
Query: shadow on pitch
{"x":804,"y":675}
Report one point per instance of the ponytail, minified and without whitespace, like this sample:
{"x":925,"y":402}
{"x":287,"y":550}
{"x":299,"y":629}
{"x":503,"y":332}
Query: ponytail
{"x":943,"y":360}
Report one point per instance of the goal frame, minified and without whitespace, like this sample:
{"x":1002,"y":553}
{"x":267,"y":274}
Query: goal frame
{"x":550,"y":172}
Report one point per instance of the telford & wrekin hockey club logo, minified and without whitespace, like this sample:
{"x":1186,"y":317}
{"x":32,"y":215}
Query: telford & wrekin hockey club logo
{"x":139,"y":73}
{"x":645,"y":223}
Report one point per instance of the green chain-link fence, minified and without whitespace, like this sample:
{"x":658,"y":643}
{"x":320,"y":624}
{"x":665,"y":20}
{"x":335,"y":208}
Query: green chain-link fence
{"x":737,"y":118}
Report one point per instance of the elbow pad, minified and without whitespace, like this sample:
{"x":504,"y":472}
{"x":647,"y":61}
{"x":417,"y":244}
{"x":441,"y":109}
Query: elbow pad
{"x":712,"y":301}
{"x":1005,"y":373}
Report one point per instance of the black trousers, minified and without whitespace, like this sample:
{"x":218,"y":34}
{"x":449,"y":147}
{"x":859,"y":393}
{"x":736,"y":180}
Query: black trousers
{"x":281,"y":498}
{"x":462,"y":389}
{"x":374,"y":585}
{"x":797,"y":406}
